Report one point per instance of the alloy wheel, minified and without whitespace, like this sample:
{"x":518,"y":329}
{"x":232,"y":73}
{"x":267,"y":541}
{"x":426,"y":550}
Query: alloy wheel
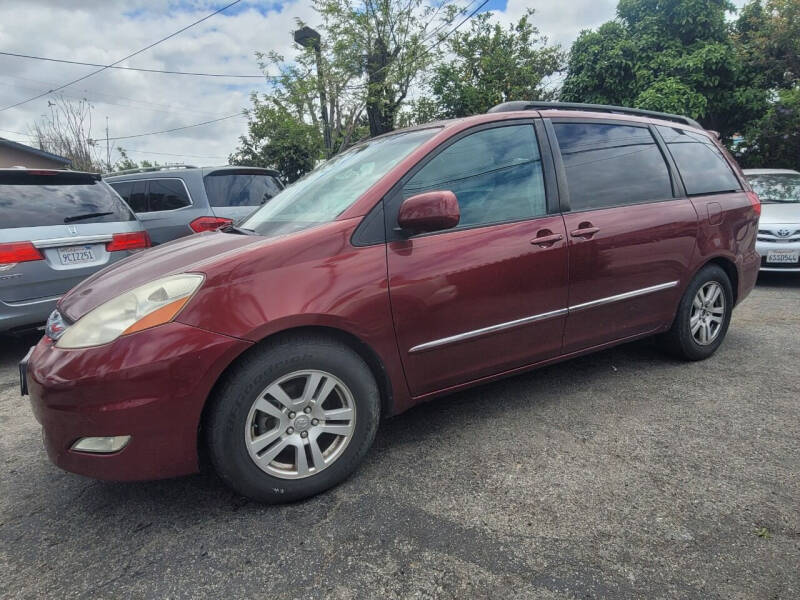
{"x":708,"y":313}
{"x":300,"y":424}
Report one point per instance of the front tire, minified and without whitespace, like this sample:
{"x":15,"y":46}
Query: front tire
{"x":292,"y":419}
{"x":703,"y":316}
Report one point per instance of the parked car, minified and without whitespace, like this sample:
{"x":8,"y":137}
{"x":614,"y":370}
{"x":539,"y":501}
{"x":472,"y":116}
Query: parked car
{"x":412,"y":265}
{"x":56,"y":229}
{"x":779,"y":226}
{"x":175,"y":201}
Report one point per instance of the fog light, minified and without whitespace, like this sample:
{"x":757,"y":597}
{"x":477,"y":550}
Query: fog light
{"x":102,"y":445}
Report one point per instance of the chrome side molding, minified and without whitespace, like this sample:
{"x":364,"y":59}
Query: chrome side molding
{"x":487,"y":330}
{"x":625,"y":296}
{"x":460,"y":337}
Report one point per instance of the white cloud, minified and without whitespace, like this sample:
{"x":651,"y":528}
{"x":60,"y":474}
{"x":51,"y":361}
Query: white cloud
{"x":103,"y":31}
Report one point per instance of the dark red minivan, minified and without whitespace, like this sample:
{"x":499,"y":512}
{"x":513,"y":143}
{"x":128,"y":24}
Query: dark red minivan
{"x":409,"y":266}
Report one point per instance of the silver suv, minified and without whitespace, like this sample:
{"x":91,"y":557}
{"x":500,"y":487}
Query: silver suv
{"x":56,"y":229}
{"x":179,"y":200}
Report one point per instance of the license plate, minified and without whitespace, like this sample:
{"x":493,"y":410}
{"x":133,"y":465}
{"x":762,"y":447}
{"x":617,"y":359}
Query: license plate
{"x":76,"y":255}
{"x":783,"y":256}
{"x":23,"y":373}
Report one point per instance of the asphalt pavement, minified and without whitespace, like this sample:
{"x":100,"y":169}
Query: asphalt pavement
{"x":624,"y":474}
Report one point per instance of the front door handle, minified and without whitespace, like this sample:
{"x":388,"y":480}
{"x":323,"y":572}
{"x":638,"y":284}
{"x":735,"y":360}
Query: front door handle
{"x":584,"y":230}
{"x":546,"y":238}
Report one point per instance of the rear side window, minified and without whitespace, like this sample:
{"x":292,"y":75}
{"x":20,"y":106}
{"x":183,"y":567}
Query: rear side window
{"x":703,"y":168}
{"x":166,"y":194}
{"x":153,"y":195}
{"x":496,"y":174}
{"x":40,"y":200}
{"x":611,"y":165}
{"x":226,"y":188}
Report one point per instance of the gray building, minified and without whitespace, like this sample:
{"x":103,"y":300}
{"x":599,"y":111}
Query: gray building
{"x":14,"y":154}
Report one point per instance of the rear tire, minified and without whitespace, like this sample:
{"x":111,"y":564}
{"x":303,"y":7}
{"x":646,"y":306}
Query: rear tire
{"x":703,"y":316}
{"x":292,"y":419}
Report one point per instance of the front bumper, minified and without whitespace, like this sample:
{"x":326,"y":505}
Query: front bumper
{"x":151,"y":385}
{"x":763,"y":249}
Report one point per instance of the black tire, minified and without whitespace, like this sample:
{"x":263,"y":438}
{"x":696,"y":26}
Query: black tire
{"x":679,"y":340}
{"x":234,"y":396}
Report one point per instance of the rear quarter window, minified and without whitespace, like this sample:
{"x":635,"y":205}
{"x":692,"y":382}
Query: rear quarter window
{"x":41,"y":200}
{"x":702,"y":166}
{"x":226,"y":188}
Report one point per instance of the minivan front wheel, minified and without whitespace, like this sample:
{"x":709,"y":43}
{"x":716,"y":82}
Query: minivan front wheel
{"x":703,"y":315}
{"x":292,"y":419}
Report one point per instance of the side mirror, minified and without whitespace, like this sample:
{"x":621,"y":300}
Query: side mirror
{"x":431,"y":211}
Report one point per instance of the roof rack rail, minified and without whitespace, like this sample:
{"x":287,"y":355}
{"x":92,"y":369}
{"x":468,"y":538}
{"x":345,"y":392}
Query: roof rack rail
{"x":150,"y":169}
{"x":536,"y":105}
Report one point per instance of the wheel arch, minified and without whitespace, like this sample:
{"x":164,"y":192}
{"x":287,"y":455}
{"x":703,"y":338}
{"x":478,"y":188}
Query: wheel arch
{"x":367,"y":354}
{"x":727,"y":265}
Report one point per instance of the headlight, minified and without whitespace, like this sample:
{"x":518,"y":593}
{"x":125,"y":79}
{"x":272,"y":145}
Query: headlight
{"x":143,"y":307}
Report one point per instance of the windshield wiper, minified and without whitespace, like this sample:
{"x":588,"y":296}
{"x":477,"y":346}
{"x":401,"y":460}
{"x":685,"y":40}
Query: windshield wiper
{"x":86,"y":216}
{"x":239,"y":230}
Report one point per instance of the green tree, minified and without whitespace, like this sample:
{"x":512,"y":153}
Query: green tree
{"x":279,"y":139}
{"x":669,"y":55}
{"x":774,"y":140}
{"x":491,"y":65}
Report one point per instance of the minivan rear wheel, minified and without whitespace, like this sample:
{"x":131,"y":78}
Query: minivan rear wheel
{"x":703,"y":316}
{"x":292,"y":419}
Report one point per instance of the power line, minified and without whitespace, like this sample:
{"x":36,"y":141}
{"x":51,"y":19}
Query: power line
{"x":87,"y":92}
{"x":171,"y":154}
{"x":127,"y":137}
{"x":20,"y":103}
{"x":114,"y":66}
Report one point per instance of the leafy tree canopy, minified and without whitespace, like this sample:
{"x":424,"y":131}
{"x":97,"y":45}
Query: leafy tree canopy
{"x":490,"y":65}
{"x":669,"y":55}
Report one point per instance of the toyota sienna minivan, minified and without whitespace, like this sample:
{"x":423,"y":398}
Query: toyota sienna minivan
{"x":410,"y":266}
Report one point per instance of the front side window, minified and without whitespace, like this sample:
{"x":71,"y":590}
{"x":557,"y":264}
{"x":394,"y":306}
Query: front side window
{"x":783,"y":188}
{"x":703,"y":168}
{"x":611,"y":165}
{"x":167,"y":194}
{"x":327,"y":191}
{"x":496,"y":175}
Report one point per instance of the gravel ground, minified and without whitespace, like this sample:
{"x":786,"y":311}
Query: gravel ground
{"x":618,"y":475}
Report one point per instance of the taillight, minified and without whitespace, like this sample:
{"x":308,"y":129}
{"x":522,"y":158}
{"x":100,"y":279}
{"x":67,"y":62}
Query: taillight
{"x":755,"y":202}
{"x":17,"y":252}
{"x":128,"y":241}
{"x":208,"y":223}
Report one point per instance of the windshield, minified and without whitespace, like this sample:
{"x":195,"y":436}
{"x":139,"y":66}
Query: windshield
{"x":324,"y":193}
{"x":777,"y":187}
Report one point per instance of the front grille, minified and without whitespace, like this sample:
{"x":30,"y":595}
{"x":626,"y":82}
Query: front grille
{"x":773,"y":235}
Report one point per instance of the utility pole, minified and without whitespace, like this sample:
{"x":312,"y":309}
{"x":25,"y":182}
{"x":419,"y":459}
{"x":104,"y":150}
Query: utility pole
{"x":108,"y":149}
{"x":310,"y":38}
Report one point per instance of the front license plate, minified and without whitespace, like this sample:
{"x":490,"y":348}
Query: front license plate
{"x":76,"y":255}
{"x":783,"y":256}
{"x":23,"y":373}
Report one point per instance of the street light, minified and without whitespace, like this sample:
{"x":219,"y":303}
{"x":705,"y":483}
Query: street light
{"x":310,"y":38}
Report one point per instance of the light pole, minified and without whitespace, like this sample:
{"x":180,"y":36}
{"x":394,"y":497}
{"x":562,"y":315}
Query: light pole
{"x":310,"y":38}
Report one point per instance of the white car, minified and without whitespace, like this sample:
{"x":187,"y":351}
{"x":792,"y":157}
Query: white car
{"x":779,"y":226}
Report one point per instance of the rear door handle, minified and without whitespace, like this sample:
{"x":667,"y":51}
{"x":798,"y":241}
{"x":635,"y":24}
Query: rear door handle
{"x":548,"y":239}
{"x":584,"y":232}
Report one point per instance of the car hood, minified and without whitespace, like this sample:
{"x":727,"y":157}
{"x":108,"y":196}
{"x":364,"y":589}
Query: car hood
{"x":779,"y":214}
{"x":191,"y":253}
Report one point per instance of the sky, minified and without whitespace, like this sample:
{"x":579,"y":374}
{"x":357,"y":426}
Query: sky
{"x":103,"y":31}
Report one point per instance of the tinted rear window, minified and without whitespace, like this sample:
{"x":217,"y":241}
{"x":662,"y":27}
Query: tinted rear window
{"x":39,"y":200}
{"x":240,"y":189}
{"x":703,"y":168}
